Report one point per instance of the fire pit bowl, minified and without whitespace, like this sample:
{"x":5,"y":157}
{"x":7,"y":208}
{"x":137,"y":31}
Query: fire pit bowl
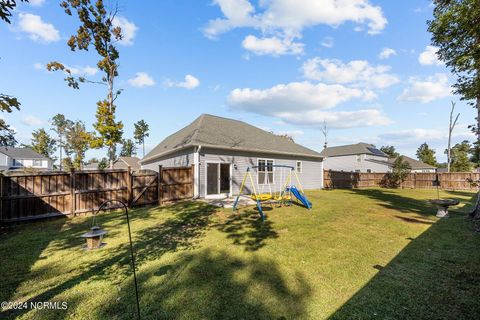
{"x":442,"y":206}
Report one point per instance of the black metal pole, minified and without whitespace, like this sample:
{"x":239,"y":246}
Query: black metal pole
{"x":102,"y":207}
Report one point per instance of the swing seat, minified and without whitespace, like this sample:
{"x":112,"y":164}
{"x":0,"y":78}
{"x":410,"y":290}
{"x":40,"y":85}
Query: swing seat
{"x":261,"y":197}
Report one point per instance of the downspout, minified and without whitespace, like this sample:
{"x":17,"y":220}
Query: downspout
{"x":196,"y":162}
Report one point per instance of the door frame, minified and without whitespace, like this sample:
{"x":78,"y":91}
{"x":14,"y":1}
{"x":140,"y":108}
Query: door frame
{"x":218,"y":195}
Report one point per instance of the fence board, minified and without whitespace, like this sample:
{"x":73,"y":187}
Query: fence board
{"x":420,"y":180}
{"x":25,"y":196}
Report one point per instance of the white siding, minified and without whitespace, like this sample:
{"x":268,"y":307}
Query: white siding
{"x":181,"y":158}
{"x":352,"y":163}
{"x":310,"y":178}
{"x":30,"y":163}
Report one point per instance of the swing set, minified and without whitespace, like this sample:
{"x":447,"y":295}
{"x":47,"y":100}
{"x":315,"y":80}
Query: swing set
{"x":274,"y":187}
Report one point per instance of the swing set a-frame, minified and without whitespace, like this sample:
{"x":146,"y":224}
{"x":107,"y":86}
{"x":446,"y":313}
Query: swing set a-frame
{"x":273,"y":186}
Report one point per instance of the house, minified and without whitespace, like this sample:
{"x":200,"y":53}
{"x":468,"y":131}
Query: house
{"x":364,"y":157}
{"x":126,"y":162}
{"x":360,"y":157}
{"x":416,"y":165}
{"x":222,"y":149}
{"x":20,"y":158}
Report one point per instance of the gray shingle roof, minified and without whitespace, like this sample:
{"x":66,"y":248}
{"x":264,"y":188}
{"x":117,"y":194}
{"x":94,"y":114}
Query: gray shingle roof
{"x":217,"y":132}
{"x":21,"y":153}
{"x":415,"y":164}
{"x":351,"y":149}
{"x":125,"y":162}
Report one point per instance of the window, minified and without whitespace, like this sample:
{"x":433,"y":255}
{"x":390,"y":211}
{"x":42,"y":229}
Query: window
{"x":265,"y":171}
{"x":298,"y":167}
{"x":359,"y":157}
{"x":369,"y":170}
{"x":37,"y":163}
{"x":17,"y":163}
{"x":358,"y":171}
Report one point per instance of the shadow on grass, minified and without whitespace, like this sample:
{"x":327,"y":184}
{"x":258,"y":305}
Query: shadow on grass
{"x":210,"y":284}
{"x":436,"y":276}
{"x":182,"y":231}
{"x":247,"y":229}
{"x":392,"y":200}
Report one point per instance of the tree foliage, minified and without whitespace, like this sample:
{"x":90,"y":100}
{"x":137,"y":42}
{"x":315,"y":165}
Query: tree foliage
{"x":390,"y":151}
{"x":426,"y":155}
{"x":460,"y":161}
{"x":455,"y":32}
{"x":140,"y":133}
{"x":6,"y":8}
{"x":60,"y":126}
{"x":128,"y":148}
{"x":96,"y":30}
{"x":400,"y":170}
{"x":7,"y":135}
{"x":78,"y":142}
{"x":43,"y":143}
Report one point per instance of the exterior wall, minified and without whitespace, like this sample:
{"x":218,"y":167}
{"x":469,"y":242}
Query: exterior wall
{"x":181,"y":158}
{"x":352,"y":163}
{"x":311,"y":176}
{"x":4,"y":160}
{"x":29,"y":163}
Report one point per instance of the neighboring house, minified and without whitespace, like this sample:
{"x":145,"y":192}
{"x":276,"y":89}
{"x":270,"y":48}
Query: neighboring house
{"x":364,"y":157}
{"x":221,"y":149}
{"x":360,"y":157}
{"x":125,"y":162}
{"x":20,"y":158}
{"x":416,"y":165}
{"x":90,"y":166}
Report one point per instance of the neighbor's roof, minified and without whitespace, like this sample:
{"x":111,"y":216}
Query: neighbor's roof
{"x":132,"y":162}
{"x":21,"y":153}
{"x":352,"y":149}
{"x":217,"y":132}
{"x":414,"y":164}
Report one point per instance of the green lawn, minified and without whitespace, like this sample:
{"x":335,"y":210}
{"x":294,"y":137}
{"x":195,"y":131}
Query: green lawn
{"x":359,"y":254}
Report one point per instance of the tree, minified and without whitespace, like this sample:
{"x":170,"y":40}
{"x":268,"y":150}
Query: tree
{"x":78,"y":142}
{"x":426,"y":155}
{"x":460,"y":161}
{"x":400,"y":170}
{"x":456,"y":33}
{"x":103,"y":164}
{"x":451,"y":127}
{"x":7,"y":102}
{"x":475,"y":154}
{"x":128,"y":148}
{"x":140,"y":133}
{"x":60,"y":125}
{"x":7,"y":135}
{"x":96,"y":30}
{"x":43,"y":143}
{"x":390,"y":151}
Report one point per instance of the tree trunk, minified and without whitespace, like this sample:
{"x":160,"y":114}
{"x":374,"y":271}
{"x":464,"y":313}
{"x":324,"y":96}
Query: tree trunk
{"x":475,"y":214}
{"x":61,"y":147}
{"x":143,"y":144}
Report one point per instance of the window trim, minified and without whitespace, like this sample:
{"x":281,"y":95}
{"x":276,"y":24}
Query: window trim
{"x":266,"y":165}
{"x":296,"y":166}
{"x":36,"y":164}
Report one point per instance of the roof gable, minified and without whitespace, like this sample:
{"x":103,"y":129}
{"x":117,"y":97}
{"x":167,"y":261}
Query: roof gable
{"x":353,"y":149}
{"x":21,"y":153}
{"x":217,"y":132}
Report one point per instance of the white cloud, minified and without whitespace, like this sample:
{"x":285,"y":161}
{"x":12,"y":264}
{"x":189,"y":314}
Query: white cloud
{"x":36,"y":3}
{"x":327,"y":42}
{"x":37,"y":29}
{"x":38,"y":66}
{"x":306,"y":104}
{"x":424,"y":91}
{"x":286,"y":19}
{"x":141,"y":79}
{"x":129,"y":30}
{"x":30,"y":120}
{"x":387,"y":53}
{"x":428,"y":135}
{"x":429,"y":57}
{"x":357,"y":72}
{"x":272,"y":46}
{"x":189,"y":83}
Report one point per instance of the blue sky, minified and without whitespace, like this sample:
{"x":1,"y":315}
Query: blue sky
{"x":364,"y":67}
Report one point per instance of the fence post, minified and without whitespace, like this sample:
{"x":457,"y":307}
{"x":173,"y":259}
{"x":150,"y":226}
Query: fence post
{"x":129,"y":186}
{"x":160,"y":185}
{"x":72,"y":192}
{"x":192,"y":179}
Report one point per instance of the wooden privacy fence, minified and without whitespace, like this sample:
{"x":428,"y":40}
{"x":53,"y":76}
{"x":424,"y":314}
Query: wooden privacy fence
{"x":420,"y":180}
{"x":26,"y":196}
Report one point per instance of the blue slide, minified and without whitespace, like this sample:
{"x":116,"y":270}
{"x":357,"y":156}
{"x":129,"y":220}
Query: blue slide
{"x":300,"y":196}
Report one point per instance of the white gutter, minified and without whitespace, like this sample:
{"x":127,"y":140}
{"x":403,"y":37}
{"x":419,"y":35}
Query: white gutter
{"x":196,"y":172}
